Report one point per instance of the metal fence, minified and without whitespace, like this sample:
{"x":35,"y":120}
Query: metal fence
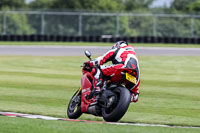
{"x":95,"y":24}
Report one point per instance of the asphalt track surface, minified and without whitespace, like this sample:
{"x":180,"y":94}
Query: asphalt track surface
{"x":96,"y":50}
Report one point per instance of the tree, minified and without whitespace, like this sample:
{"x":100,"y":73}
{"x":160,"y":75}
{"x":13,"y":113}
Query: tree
{"x":173,"y":27}
{"x":88,"y":5}
{"x":18,"y":24}
{"x":68,"y":25}
{"x":92,"y":25}
{"x":131,"y":5}
{"x":40,"y":4}
{"x":194,"y":7}
{"x":15,"y":23}
{"x":186,"y":6}
{"x":12,"y":4}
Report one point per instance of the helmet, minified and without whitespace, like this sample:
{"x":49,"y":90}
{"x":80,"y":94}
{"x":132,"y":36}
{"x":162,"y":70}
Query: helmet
{"x":119,"y":44}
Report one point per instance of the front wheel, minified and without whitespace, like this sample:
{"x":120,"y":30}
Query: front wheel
{"x":74,"y":106}
{"x":116,"y":112}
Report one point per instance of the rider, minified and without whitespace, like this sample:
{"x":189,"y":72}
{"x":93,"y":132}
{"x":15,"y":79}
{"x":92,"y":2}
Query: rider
{"x":122,"y":55}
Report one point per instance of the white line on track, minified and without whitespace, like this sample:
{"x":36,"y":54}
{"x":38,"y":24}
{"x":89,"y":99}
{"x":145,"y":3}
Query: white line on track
{"x":13,"y":114}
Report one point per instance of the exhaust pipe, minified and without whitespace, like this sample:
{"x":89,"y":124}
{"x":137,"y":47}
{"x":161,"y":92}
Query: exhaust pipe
{"x":95,"y":110}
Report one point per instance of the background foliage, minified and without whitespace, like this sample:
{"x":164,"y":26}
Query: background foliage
{"x":100,"y":25}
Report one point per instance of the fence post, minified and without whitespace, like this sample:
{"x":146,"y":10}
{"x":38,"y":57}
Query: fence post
{"x":117,"y":26}
{"x":42,"y":23}
{"x":154,"y":26}
{"x":4,"y":22}
{"x":192,"y":26}
{"x":80,"y":25}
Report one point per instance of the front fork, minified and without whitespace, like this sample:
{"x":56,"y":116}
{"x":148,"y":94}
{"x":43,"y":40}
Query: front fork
{"x":79,"y":90}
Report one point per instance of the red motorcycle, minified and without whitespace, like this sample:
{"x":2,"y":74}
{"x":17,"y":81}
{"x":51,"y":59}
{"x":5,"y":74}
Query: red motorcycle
{"x":114,"y":99}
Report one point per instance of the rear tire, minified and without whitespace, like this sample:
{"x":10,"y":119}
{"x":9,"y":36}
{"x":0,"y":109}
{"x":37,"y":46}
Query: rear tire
{"x":120,"y":108}
{"x":74,"y":106}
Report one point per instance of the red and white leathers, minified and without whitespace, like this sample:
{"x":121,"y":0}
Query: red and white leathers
{"x":123,"y":57}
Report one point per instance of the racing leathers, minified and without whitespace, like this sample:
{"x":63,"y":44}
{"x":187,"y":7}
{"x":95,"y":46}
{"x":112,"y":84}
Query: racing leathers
{"x":123,"y":57}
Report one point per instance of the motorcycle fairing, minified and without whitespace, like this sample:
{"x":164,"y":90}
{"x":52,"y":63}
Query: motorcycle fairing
{"x":118,"y":76}
{"x":86,"y":90}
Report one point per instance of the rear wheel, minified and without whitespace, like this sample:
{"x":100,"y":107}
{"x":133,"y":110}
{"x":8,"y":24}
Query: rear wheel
{"x":74,"y":106}
{"x":119,"y":108}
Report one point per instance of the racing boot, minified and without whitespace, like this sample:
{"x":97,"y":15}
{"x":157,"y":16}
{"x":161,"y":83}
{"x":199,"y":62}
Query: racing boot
{"x":135,"y":94}
{"x":134,"y":97}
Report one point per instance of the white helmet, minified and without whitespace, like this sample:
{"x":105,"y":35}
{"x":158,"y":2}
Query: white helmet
{"x":119,"y":44}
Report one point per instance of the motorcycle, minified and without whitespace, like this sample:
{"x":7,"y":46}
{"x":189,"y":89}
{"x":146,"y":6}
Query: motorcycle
{"x":114,"y":99}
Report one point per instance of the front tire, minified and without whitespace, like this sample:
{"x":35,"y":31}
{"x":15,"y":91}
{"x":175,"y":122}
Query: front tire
{"x":123,"y":100}
{"x":74,"y":106}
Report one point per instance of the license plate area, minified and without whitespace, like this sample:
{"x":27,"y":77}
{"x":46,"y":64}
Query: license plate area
{"x":130,"y":78}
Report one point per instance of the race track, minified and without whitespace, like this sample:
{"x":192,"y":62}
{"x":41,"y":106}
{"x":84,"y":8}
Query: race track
{"x":96,"y":50}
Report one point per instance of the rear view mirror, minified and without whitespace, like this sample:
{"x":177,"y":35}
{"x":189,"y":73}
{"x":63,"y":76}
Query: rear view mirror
{"x":88,"y":54}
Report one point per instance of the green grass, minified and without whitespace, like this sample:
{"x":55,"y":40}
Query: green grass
{"x":101,"y":44}
{"x":44,"y":85}
{"x":23,"y":125}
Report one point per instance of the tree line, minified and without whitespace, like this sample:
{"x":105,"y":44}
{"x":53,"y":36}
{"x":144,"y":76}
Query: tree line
{"x":177,"y":6}
{"x":93,"y":25}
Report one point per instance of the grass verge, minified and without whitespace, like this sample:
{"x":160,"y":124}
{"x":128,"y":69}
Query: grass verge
{"x":22,"y":125}
{"x":44,"y":85}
